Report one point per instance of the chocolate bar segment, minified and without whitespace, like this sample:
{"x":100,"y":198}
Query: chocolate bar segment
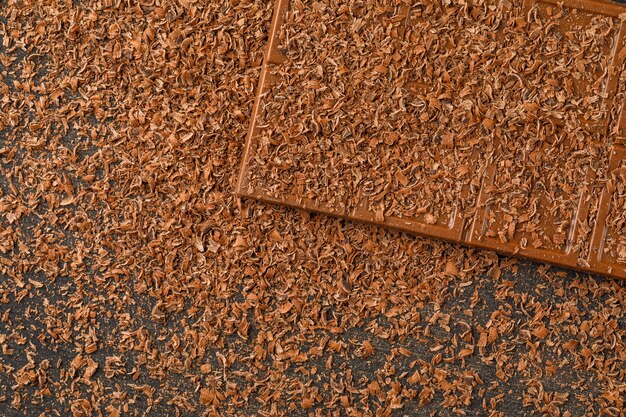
{"x":492,"y":123}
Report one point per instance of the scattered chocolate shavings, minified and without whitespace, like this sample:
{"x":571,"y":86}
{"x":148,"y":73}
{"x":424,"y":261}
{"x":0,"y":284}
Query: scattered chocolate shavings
{"x":134,"y":282}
